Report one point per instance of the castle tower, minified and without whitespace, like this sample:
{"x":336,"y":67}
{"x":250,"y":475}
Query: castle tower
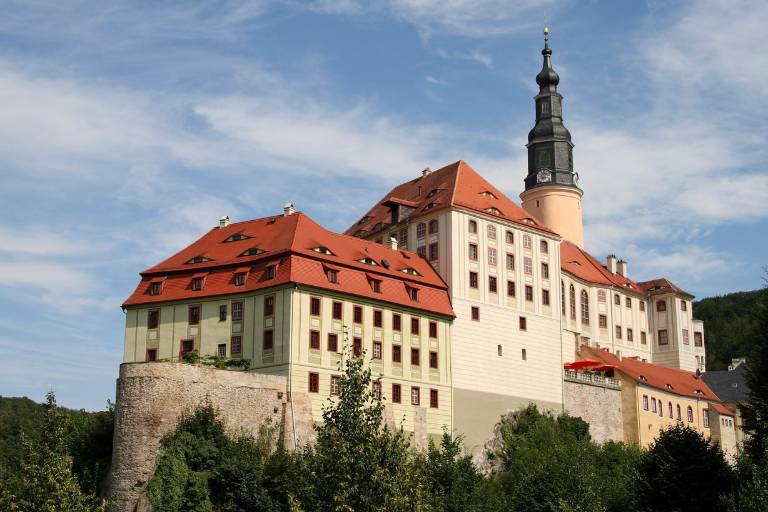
{"x":551,"y":190}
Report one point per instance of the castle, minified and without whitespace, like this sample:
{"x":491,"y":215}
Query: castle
{"x":465,"y":304}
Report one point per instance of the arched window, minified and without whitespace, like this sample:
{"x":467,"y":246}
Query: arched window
{"x":472,"y":226}
{"x":690,"y":414}
{"x":679,"y":417}
{"x":562,"y":297}
{"x":584,"y":307}
{"x":670,"y":410}
{"x":573,"y":303}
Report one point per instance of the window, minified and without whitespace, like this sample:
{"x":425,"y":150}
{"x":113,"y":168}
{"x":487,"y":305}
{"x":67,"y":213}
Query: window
{"x":653,"y":405}
{"x":433,"y":227}
{"x":332,"y":275}
{"x":151,"y":355}
{"x":642,"y":305}
{"x":698,"y":339}
{"x":153,"y":318}
{"x":236,"y":345}
{"x":705,"y":417}
{"x":397,"y":354}
{"x":337,"y":309}
{"x":528,"y":266}
{"x":194,"y":315}
{"x":397,"y":322}
{"x":524,"y":355}
{"x":473,"y":252}
{"x":527,"y":241}
{"x":669,"y":409}
{"x":415,"y":324}
{"x":573,"y":302}
{"x":661,"y":306}
{"x":562,"y":297}
{"x":690,"y":414}
{"x":683,"y":305}
{"x":376,"y":350}
{"x":584,"y":307}
{"x":415,"y":357}
{"x":396,"y":393}
{"x":509,"y":237}
{"x":491,"y":232}
{"x":335,"y":384}
{"x":357,"y":314}
{"x":545,"y":271}
{"x":314,"y":306}
{"x":376,"y":285}
{"x":269,"y":341}
{"x":269,"y":305}
{"x":433,"y":402}
{"x":415,"y":396}
{"x":679,"y":416}
{"x":686,"y":339}
{"x":475,"y":313}
{"x":433,"y":251}
{"x":422,"y":251}
{"x":522,"y":323}
{"x":492,"y":286}
{"x":240,"y":278}
{"x":663,"y":338}
{"x":529,"y":293}
{"x":314,"y":382}
{"x":661,"y":409}
{"x":421,"y":230}
{"x":544,"y":247}
{"x":473,"y":226}
{"x":643,"y":338}
{"x":545,"y":297}
{"x":492,"y":256}
{"x":628,"y":302}
{"x":473,"y":279}
{"x":314,"y":340}
{"x":510,"y":261}
{"x":155,"y":288}
{"x":222,"y":313}
{"x":237,"y":311}
{"x":630,"y":335}
{"x":376,"y":390}
{"x":187,"y":346}
{"x":645,"y":402}
{"x":269,"y":273}
{"x":510,"y":288}
{"x":602,"y":321}
{"x":221,"y":350}
{"x":357,"y":347}
{"x":378,"y":318}
{"x":413,"y":293}
{"x":433,"y":359}
{"x":600,"y":295}
{"x":333,"y":342}
{"x":618,"y":332}
{"x":433,"y":329}
{"x":617,"y":300}
{"x":197,"y":284}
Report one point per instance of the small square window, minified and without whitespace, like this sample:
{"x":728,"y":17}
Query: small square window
{"x":376,"y":285}
{"x":332,"y":275}
{"x":197,"y":284}
{"x":221,"y":350}
{"x":413,"y":293}
{"x":270,"y":272}
{"x":524,"y":355}
{"x":240,"y":278}
{"x":661,"y":305}
{"x":151,"y":355}
{"x":602,"y":321}
{"x":314,"y":382}
{"x":523,"y":323}
{"x":155,"y":288}
{"x":475,"y":313}
{"x":663,"y":338}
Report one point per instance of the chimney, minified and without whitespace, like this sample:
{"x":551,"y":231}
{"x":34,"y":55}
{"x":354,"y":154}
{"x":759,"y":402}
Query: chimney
{"x":288,"y":209}
{"x":426,"y":172}
{"x":393,"y":243}
{"x":612,"y":263}
{"x":224,"y":221}
{"x":622,"y":267}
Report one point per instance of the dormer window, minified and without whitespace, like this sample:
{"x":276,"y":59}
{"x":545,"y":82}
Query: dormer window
{"x":332,"y":275}
{"x":270,"y":272}
{"x":198,"y":259}
{"x":155,"y":288}
{"x":375,"y":285}
{"x":413,"y":293}
{"x":410,"y":271}
{"x":369,"y":261}
{"x":433,"y":192}
{"x":378,"y":226}
{"x":197,"y":284}
{"x":493,"y":211}
{"x":236,"y":238}
{"x":488,"y":194}
{"x":429,"y":206}
{"x":253,"y":251}
{"x":364,"y":219}
{"x":240,"y":278}
{"x":360,"y":233}
{"x":323,"y":250}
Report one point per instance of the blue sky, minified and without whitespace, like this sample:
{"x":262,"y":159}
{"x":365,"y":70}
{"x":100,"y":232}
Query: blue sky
{"x":128,"y":128}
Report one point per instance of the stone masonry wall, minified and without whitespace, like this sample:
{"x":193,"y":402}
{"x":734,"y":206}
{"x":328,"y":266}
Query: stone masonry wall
{"x":597,"y":405}
{"x":151,"y":397}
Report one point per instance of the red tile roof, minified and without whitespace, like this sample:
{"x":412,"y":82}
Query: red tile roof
{"x":660,"y":377}
{"x":456,"y":184}
{"x":289,"y":244}
{"x":581,"y":264}
{"x":660,"y":286}
{"x":720,"y":408}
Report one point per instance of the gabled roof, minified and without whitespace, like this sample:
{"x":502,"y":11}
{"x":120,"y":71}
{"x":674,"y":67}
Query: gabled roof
{"x":670,"y":380}
{"x":581,"y":264}
{"x":455,"y":185}
{"x":661,"y":286}
{"x":729,"y":385}
{"x":290,"y":246}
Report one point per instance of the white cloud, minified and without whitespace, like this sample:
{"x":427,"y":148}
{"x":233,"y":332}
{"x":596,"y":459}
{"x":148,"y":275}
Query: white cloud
{"x":474,"y":56}
{"x":432,"y":80}
{"x":31,"y":241}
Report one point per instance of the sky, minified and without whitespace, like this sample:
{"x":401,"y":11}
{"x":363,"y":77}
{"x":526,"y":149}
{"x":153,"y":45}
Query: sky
{"x":128,"y":128}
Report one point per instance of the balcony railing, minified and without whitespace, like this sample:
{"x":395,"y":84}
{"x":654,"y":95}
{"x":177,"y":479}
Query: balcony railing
{"x":591,"y":378}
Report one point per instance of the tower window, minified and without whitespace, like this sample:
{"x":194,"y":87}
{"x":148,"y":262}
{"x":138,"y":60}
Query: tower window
{"x":473,"y":226}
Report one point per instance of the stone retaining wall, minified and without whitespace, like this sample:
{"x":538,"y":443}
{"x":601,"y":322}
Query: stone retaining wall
{"x":600,"y":406}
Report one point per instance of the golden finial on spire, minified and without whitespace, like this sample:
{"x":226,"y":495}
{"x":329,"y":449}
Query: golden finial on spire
{"x":546,"y":33}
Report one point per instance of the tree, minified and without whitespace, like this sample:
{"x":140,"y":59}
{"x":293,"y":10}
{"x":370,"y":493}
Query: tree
{"x":756,"y":411}
{"x":682,"y":472}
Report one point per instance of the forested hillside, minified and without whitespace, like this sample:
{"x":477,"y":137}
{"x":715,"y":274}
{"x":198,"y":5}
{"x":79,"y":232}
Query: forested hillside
{"x":729,"y":321}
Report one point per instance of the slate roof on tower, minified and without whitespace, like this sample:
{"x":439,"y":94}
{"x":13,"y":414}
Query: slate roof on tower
{"x":293,"y":249}
{"x":457,"y":185}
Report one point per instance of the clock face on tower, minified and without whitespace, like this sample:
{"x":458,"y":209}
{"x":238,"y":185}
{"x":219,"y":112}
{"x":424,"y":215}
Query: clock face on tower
{"x":544,"y":176}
